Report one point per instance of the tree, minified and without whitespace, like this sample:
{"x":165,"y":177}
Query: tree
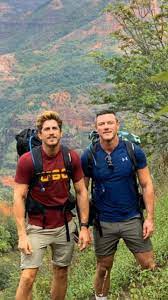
{"x":142,"y":35}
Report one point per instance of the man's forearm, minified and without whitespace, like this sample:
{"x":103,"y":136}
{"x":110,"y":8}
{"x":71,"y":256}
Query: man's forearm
{"x":19,"y":214}
{"x":83,"y":205}
{"x":149,"y":198}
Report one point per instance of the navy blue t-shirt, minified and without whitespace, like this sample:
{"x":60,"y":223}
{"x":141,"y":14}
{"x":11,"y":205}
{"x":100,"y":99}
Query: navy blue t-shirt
{"x":115,"y":195}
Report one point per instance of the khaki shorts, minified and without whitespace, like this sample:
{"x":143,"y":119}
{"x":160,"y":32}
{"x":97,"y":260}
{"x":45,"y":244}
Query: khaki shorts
{"x":130,"y":231}
{"x":40,"y":238}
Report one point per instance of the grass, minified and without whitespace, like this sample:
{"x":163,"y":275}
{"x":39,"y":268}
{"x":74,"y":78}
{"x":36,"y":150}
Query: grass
{"x":127,"y":280}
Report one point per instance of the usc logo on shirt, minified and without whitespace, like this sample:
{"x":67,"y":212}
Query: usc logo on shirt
{"x":54,"y":175}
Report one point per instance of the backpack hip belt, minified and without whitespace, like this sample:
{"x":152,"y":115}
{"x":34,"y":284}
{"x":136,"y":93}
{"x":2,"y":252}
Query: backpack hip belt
{"x":35,"y":207}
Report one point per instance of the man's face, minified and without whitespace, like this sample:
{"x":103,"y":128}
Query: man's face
{"x":50,"y":133}
{"x":107,"y":127}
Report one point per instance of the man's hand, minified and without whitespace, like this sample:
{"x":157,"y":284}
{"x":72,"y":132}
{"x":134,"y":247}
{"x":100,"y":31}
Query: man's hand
{"x":148,"y":228}
{"x":84,"y":238}
{"x":24,"y":245}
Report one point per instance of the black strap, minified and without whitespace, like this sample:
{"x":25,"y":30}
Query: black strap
{"x":36,"y":154}
{"x":67,"y":161}
{"x":97,"y":222}
{"x":66,"y":225}
{"x":91,"y":155}
{"x":131,"y":153}
{"x":90,"y":161}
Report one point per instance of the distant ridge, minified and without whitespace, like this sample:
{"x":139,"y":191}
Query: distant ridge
{"x":45,"y":51}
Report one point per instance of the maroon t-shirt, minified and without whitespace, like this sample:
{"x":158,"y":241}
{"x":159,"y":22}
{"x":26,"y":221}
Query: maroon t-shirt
{"x":52,"y":187}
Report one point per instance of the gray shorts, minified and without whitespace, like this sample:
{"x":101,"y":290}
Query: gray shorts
{"x":55,"y":238}
{"x":130,"y":231}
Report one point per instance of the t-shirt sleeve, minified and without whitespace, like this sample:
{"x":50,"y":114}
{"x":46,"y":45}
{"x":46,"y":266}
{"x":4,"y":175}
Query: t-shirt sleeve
{"x":84,"y":161}
{"x":24,"y":169}
{"x":140,"y":157}
{"x":76,"y":166}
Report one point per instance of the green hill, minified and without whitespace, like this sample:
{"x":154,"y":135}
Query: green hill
{"x":35,"y":25}
{"x":45,"y":50}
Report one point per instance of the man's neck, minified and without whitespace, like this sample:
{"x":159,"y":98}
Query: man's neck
{"x":109,"y":146}
{"x":51,"y":150}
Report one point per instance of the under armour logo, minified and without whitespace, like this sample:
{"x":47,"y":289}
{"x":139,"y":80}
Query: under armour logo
{"x":124,"y":158}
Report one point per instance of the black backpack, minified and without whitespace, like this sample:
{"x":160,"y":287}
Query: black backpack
{"x":94,"y":213}
{"x":27,"y":140}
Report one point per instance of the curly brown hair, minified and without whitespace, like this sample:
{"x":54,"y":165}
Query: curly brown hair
{"x":45,"y":116}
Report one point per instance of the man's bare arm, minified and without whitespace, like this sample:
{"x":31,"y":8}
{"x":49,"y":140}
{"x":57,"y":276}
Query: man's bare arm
{"x":20,"y":193}
{"x":83,"y":205}
{"x":148,"y":196}
{"x":87,"y":181}
{"x":82,"y":200}
{"x":147,"y":190}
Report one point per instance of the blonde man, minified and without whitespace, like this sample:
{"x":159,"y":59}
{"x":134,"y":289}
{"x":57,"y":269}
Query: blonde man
{"x":52,"y":191}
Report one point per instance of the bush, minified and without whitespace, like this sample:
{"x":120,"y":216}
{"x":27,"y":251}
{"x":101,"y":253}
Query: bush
{"x":4,"y":240}
{"x":10,"y":226}
{"x":5,"y":276}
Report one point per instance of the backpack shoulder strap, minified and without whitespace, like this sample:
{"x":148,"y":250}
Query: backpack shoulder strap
{"x":91,"y":160}
{"x":37,"y":163}
{"x":37,"y":159}
{"x":91,"y":155}
{"x":131,"y":153}
{"x":130,"y":149}
{"x":67,"y":160}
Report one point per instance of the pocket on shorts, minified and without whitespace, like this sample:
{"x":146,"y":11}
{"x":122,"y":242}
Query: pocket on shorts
{"x":140,"y":228}
{"x":73,"y":229}
{"x":72,"y":226}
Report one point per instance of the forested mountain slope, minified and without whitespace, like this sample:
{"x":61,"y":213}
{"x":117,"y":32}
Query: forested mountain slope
{"x":45,"y":63}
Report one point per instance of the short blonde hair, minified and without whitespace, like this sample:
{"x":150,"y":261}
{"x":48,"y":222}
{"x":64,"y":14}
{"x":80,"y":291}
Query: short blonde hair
{"x":45,"y":116}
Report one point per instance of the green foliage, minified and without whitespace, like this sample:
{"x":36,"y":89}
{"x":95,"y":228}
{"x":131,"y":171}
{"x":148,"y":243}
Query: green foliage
{"x":10,"y":226}
{"x":127,"y":280}
{"x":154,"y":285}
{"x":149,"y":285}
{"x":163,"y":76}
{"x":5,"y":276}
{"x":8,"y":236}
{"x":132,"y":85}
{"x":81,"y":275}
{"x":142,"y":36}
{"x":4,"y":240}
{"x":9,"y":275}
